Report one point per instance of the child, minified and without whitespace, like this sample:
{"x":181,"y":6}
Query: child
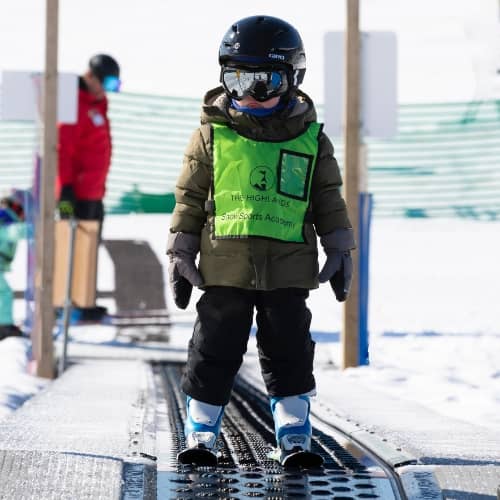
{"x":258,"y":184}
{"x":11,"y":213}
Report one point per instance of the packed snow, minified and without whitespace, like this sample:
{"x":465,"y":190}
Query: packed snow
{"x":434,"y":319}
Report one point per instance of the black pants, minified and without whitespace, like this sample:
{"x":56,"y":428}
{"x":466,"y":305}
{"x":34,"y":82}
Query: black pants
{"x":220,"y":337}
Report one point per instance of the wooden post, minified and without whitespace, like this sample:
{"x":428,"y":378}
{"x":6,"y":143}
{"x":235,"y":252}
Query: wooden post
{"x":44,"y":310}
{"x":350,"y":332}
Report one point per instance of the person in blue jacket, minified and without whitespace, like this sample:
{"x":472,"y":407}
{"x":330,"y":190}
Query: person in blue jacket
{"x":11,"y":217}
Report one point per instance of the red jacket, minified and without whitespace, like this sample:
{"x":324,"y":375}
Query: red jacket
{"x":85,"y":149}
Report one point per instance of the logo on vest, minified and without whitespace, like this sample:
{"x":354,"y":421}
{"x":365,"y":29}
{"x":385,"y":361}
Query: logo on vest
{"x":262,"y":178}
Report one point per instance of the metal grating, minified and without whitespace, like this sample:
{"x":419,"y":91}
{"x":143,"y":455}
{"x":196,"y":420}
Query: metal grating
{"x":244,"y":470}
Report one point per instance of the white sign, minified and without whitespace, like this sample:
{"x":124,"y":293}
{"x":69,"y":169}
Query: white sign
{"x":379,"y":103}
{"x":21,"y":96}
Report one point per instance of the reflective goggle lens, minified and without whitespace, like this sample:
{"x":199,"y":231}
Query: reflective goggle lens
{"x":111,"y":84}
{"x":259,"y":84}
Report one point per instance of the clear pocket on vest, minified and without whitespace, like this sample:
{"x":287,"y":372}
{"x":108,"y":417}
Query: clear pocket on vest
{"x":294,"y":171}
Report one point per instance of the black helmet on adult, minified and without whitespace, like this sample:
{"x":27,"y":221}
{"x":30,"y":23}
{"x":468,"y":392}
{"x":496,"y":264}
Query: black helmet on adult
{"x":103,"y":65}
{"x":264,"y":41}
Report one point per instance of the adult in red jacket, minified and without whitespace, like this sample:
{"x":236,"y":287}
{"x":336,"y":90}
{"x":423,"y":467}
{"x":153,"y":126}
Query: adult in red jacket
{"x":85,"y":154}
{"x":85,"y":147}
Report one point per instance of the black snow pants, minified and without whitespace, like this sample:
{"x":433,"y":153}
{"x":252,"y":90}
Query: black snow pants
{"x":220,"y":337}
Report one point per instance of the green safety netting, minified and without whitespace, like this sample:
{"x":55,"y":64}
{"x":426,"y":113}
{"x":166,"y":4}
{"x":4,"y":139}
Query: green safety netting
{"x":443,"y":161}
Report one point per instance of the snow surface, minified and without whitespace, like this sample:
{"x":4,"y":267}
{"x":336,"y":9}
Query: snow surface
{"x":434,"y":318}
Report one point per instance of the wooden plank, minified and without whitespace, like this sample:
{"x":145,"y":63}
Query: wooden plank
{"x":350,"y":331}
{"x":44,"y":312}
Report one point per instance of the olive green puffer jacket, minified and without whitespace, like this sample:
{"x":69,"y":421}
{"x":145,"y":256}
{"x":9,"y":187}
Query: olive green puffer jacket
{"x":257,"y":263}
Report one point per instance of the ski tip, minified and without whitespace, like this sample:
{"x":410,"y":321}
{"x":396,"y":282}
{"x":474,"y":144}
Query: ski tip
{"x":296,"y":459}
{"x":302,"y":459}
{"x":200,"y":457}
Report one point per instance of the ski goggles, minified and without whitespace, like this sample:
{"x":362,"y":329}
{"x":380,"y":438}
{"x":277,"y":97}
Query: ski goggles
{"x":260,"y":83}
{"x":111,"y":84}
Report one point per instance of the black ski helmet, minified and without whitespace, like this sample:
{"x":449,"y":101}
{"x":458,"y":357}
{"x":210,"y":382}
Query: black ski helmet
{"x":103,"y":65}
{"x":264,"y":41}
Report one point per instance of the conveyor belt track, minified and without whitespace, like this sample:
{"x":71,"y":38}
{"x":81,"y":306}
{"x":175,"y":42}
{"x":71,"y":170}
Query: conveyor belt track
{"x":244,"y":470}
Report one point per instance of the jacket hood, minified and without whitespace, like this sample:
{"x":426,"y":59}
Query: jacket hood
{"x":284,"y":123}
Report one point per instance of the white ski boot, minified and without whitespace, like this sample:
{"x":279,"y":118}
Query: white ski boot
{"x":293,"y":432}
{"x":202,"y":427}
{"x":291,"y":422}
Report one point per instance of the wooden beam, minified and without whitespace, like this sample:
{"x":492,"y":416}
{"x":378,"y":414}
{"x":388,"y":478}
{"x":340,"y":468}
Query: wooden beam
{"x":350,"y":331}
{"x":44,"y":310}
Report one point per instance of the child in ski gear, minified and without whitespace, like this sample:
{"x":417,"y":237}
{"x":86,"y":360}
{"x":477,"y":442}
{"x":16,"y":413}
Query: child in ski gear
{"x":259,"y":183}
{"x":11,"y":214}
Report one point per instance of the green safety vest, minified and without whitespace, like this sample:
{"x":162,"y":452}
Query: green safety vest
{"x":262,"y":188}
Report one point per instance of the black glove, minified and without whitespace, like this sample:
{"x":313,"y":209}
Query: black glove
{"x":338,"y":265}
{"x":181,"y":287}
{"x":342,"y":279}
{"x":66,"y":204}
{"x":182,"y":250}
